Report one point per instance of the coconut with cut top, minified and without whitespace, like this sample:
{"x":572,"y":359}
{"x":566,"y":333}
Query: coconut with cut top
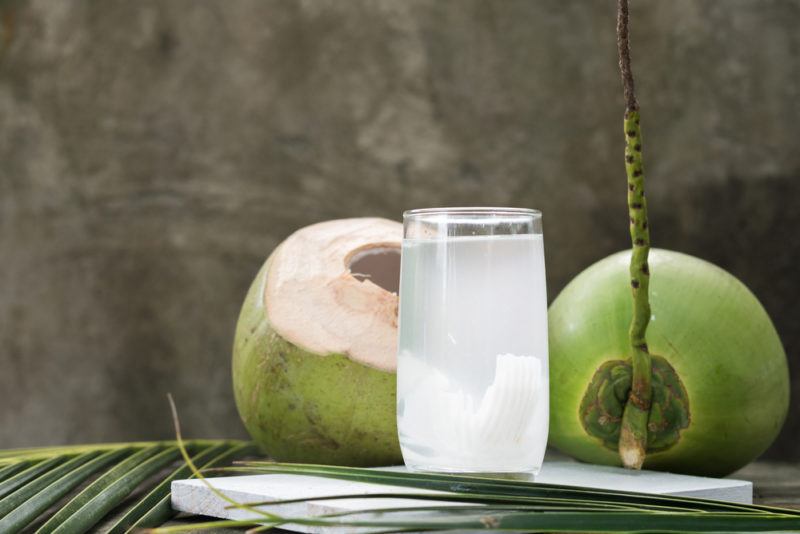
{"x":314,"y":357}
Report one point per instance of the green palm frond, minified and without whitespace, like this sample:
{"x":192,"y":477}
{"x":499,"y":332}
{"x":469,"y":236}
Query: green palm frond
{"x":125,"y":487}
{"x":482,"y":503}
{"x":38,"y":486}
{"x":521,"y":506}
{"x":478,"y":503}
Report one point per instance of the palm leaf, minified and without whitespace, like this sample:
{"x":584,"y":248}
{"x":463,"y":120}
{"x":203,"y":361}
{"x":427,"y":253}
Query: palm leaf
{"x":571,"y":521}
{"x":96,"y":487}
{"x":31,"y":506}
{"x":25,"y":476}
{"x":12,"y":501}
{"x":163,"y":510}
{"x":209,"y":525}
{"x":154,"y":508}
{"x":507,"y":505}
{"x":12,"y":469}
{"x":38,"y":453}
{"x":494,"y":487}
{"x":101,"y":504}
{"x":33,"y":481}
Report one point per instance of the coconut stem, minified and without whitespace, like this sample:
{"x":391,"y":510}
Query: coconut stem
{"x":633,"y":433}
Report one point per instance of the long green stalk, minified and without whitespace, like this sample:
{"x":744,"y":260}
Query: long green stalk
{"x":208,"y":525}
{"x":457,"y":484}
{"x":633,"y":432}
{"x":483,"y":499}
{"x":196,"y":472}
{"x":571,"y":522}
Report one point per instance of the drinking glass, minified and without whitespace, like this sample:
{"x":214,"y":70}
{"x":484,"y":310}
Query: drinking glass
{"x":472,"y":366}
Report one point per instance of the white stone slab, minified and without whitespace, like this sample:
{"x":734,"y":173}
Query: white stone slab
{"x":194,"y":497}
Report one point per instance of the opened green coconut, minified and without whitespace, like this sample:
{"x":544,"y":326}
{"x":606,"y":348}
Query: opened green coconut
{"x":314,"y":355}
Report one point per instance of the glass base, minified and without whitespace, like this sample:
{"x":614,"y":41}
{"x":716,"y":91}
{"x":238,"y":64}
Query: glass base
{"x":526,"y":475}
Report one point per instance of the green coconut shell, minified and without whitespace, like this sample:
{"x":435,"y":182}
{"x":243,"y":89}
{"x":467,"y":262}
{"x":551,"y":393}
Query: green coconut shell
{"x":299,"y":406}
{"x":708,"y":326}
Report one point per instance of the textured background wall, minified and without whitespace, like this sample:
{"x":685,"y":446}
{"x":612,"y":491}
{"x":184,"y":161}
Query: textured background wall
{"x":152,"y":153}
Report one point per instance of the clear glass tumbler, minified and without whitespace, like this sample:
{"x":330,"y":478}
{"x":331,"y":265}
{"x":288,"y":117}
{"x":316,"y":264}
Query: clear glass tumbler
{"x":472,"y":371}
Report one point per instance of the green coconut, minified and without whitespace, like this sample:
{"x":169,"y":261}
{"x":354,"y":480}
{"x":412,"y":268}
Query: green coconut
{"x":314,"y":355}
{"x":728,"y":396}
{"x":661,"y":360}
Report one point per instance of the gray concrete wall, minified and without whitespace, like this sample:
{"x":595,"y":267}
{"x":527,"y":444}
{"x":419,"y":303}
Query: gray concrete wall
{"x":153,"y":152}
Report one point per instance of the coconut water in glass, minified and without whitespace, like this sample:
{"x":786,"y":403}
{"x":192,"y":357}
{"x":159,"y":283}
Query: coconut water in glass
{"x":472,"y":372}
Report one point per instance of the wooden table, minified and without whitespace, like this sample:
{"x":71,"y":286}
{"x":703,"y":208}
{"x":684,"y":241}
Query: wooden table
{"x":776,"y":484}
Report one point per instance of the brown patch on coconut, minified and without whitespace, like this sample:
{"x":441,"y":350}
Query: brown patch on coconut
{"x":332,"y":288}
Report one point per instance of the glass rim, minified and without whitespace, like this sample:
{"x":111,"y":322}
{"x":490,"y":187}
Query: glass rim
{"x":475,"y":210}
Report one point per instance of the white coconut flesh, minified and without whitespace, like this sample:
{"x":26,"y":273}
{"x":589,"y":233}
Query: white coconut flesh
{"x":478,"y":433}
{"x":331,"y":288}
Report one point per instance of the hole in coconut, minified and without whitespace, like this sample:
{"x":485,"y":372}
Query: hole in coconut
{"x":379,"y":265}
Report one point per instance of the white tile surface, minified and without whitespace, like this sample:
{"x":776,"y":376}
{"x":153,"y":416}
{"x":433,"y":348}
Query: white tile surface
{"x":194,"y":497}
